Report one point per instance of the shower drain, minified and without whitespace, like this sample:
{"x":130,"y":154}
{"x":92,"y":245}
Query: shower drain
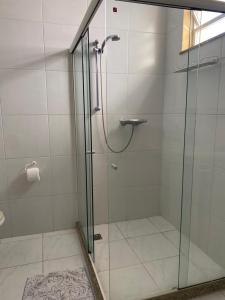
{"x":97,"y":237}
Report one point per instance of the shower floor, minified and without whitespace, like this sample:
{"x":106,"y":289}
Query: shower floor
{"x":142,"y":256}
{"x":26,"y":256}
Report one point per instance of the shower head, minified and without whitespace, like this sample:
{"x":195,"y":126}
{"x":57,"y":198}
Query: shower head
{"x":113,"y":37}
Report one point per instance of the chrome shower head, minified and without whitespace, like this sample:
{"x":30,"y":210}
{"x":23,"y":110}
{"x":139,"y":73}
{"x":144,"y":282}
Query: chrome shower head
{"x":113,"y":37}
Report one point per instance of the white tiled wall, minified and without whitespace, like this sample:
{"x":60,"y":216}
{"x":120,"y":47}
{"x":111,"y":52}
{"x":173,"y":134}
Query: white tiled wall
{"x":36,"y":121}
{"x":173,"y":121}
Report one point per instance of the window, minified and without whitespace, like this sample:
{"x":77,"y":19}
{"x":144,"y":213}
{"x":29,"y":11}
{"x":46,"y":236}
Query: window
{"x":200,"y":26}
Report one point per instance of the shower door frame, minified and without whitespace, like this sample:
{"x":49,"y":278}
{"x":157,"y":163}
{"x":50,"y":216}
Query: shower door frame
{"x":87,"y":162}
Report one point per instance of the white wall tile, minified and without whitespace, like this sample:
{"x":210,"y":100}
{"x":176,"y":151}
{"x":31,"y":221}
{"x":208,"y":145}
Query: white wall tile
{"x":65,"y":212}
{"x":200,"y":225}
{"x":145,"y":94}
{"x":205,"y":139}
{"x":170,"y":205}
{"x":116,"y":93}
{"x":17,"y":184}
{"x":145,"y":203}
{"x":218,"y":191}
{"x":208,"y":90}
{"x":173,"y":133}
{"x":221,"y":105}
{"x":100,"y":169}
{"x":216,"y":240}
{"x":64,"y":12}
{"x":32,"y":215}
{"x":174,"y":18}
{"x":175,"y":98}
{"x":211,"y":49}
{"x":219,"y":154}
{"x":26,"y":136}
{"x":117,"y":201}
{"x":101,"y":212}
{"x":148,"y":168}
{"x":21,"y":9}
{"x":61,"y":135}
{"x":125,"y":174}
{"x":21,"y":44}
{"x":117,"y":52}
{"x":119,"y":19}
{"x":147,"y":18}
{"x":60,"y":92}
{"x":23,"y":92}
{"x":148,"y":136}
{"x":23,"y":95}
{"x":63,"y":175}
{"x":58,"y":39}
{"x":171,"y":173}
{"x":202,"y":185}
{"x":3,"y":180}
{"x":2,"y":146}
{"x":98,"y":141}
{"x":146,"y":53}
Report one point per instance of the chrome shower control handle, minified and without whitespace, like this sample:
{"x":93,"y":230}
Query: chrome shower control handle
{"x":114,"y":166}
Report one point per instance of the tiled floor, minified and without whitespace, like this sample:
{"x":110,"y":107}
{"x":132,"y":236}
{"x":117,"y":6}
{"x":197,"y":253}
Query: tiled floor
{"x":143,"y":259}
{"x":142,"y":256}
{"x":22,"y":257}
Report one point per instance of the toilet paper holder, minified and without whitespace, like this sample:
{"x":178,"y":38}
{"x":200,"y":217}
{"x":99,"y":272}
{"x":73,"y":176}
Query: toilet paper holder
{"x":30,"y":165}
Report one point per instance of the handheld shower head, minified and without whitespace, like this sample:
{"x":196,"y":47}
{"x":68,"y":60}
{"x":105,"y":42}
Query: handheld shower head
{"x":113,"y":37}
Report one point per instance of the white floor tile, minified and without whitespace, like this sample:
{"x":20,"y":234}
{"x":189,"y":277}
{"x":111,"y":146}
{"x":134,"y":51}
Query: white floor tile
{"x":12,"y":280}
{"x":152,"y":247}
{"x":195,"y":275}
{"x":59,"y":246}
{"x":136,"y":228}
{"x":63,"y":264}
{"x":173,"y":236}
{"x":102,"y":256}
{"x":110,"y":232}
{"x":161,"y":224}
{"x":21,"y":238}
{"x":164,"y":272}
{"x":115,"y":255}
{"x":20,"y":252}
{"x":121,"y":255}
{"x":60,"y":232}
{"x":128,"y":283}
{"x":204,"y":263}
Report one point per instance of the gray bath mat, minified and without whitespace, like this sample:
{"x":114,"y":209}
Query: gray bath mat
{"x":66,"y":285}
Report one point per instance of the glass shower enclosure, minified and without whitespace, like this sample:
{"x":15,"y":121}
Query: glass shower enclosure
{"x":149,"y":94}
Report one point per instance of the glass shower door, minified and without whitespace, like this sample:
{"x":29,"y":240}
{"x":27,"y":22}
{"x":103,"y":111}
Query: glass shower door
{"x":88,"y":140}
{"x":202,"y":229}
{"x":84,"y":139}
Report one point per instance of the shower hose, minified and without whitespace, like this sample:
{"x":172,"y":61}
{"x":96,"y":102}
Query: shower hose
{"x":103,"y":119}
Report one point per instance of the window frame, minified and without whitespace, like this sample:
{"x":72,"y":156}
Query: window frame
{"x":189,"y":32}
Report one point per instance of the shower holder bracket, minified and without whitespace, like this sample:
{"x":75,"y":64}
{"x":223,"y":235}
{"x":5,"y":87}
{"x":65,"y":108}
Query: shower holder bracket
{"x":133,"y":122}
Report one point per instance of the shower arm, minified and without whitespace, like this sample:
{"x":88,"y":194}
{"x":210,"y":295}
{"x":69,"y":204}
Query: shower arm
{"x":96,"y":50}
